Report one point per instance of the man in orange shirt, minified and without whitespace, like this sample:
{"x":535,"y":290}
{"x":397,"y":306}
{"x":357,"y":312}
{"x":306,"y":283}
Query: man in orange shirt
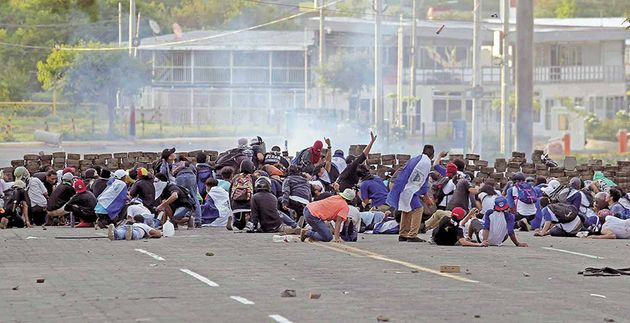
{"x":334,"y":208}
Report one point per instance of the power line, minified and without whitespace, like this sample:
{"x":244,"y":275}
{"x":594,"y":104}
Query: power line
{"x":54,"y":25}
{"x":233,"y":32}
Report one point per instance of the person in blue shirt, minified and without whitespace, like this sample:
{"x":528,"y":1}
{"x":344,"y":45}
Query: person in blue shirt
{"x":619,"y":204}
{"x":410,"y":185}
{"x":373,"y":190}
{"x":498,"y":224}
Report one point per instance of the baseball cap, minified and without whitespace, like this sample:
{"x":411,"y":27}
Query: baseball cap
{"x":458,"y":213}
{"x":501,"y":204}
{"x":69,"y":170}
{"x":348,"y":194}
{"x":119,"y":174}
{"x":518,"y":177}
{"x":79,"y":186}
{"x":67,"y":177}
{"x":167,"y":152}
{"x":451,"y":169}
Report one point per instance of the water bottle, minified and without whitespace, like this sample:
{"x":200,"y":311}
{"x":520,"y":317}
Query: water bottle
{"x":168,"y":229}
{"x":278,"y":238}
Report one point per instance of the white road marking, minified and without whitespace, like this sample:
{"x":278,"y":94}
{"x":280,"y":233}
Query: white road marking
{"x":151,"y":254}
{"x":573,"y":253}
{"x":199,"y":277}
{"x":279,"y":318}
{"x":242,"y":300}
{"x":598,"y":295}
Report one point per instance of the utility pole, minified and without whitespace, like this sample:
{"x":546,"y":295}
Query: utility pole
{"x":399,"y":76}
{"x":378,"y":72}
{"x":524,"y":76}
{"x":132,"y":15}
{"x":412,"y":103}
{"x":477,"y":111}
{"x":322,"y":54}
{"x":505,"y":139}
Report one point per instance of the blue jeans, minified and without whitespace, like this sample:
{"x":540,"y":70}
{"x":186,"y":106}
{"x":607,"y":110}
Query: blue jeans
{"x":119,"y":233}
{"x":287,"y":219}
{"x":319,"y":229}
{"x":189,"y":181}
{"x":180,"y":213}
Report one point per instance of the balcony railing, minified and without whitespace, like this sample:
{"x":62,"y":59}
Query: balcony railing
{"x":542,"y":74}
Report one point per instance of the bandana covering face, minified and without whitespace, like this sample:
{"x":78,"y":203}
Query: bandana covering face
{"x":316,"y":151}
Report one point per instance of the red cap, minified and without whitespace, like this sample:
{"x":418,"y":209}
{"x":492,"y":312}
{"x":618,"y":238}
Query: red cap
{"x":68,"y":170}
{"x":451,"y":169}
{"x":79,"y":186}
{"x":458,"y":213}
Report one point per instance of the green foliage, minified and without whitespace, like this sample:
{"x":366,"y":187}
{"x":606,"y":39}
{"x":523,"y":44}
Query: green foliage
{"x":349,"y":74}
{"x":607,"y":129}
{"x":566,"y":9}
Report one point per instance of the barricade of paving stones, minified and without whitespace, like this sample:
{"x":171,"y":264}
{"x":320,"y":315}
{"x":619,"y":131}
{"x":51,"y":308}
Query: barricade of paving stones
{"x":501,"y":170}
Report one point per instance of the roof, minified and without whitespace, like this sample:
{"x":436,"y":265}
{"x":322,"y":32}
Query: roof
{"x":545,"y":30}
{"x":230,"y":40}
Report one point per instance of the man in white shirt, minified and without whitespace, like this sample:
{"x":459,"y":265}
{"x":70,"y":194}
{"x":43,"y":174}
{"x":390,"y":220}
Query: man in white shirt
{"x":38,"y":195}
{"x":136,"y":231}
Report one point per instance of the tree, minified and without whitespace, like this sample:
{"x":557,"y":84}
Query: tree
{"x":94,"y":77}
{"x":566,"y":9}
{"x":349,"y":74}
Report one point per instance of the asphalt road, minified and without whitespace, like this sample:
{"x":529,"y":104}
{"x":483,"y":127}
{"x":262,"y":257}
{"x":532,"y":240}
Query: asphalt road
{"x":172,"y":279}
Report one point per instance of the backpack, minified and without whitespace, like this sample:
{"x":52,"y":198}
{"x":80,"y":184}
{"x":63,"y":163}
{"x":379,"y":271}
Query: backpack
{"x":589,"y":198}
{"x":231,"y":158}
{"x":526,"y":193}
{"x":242,"y":188}
{"x":298,"y":157}
{"x":349,"y":231}
{"x":560,"y":194}
{"x":438,"y":190}
{"x":9,"y":201}
{"x":157,"y":166}
{"x":189,"y":197}
{"x":564,"y":212}
{"x":625,"y":204}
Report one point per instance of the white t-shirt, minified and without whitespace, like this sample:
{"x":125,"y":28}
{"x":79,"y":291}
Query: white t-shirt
{"x":621,"y":228}
{"x":144,"y":228}
{"x":448,"y":190}
{"x":137,"y":209}
{"x":487,"y":202}
{"x":36,"y":191}
{"x":498,"y":229}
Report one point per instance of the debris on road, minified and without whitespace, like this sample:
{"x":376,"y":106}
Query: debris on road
{"x":314,"y":296}
{"x":477,"y":316}
{"x":382,"y":318}
{"x":346,"y":292}
{"x":44,"y":228}
{"x":288,"y":293}
{"x":608,"y":320}
{"x":525,"y":274}
{"x":40,"y":280}
{"x":450,"y":269}
{"x":209,"y":254}
{"x":414,"y":271}
{"x":16,"y":287}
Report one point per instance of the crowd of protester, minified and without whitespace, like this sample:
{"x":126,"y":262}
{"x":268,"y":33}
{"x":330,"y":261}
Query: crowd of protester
{"x":320,"y":195}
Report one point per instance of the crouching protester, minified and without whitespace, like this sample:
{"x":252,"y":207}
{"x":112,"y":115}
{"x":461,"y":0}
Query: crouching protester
{"x":264,"y":212}
{"x":334,"y":208}
{"x":14,"y":210}
{"x":82,"y":205}
{"x":497,"y":225}
{"x":111,"y":202}
{"x":560,"y":219}
{"x":449,"y":231}
{"x":138,"y":230}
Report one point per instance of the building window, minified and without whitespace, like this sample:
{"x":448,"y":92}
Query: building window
{"x":469,"y":110}
{"x":439,"y":110}
{"x":454,"y":110}
{"x":563,"y":121}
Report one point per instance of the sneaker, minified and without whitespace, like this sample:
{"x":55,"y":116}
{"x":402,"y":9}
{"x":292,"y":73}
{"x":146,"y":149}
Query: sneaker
{"x":303,"y":233}
{"x":229,"y":223}
{"x":129,"y":232}
{"x":249,"y":227}
{"x":301,"y":222}
{"x":110,"y":232}
{"x":292,"y":231}
{"x":191,"y":222}
{"x":84,"y":225}
{"x":415,"y":239}
{"x":401,"y":238}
